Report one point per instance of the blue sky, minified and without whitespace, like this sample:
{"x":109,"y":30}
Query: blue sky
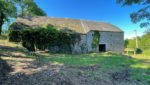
{"x":97,"y":10}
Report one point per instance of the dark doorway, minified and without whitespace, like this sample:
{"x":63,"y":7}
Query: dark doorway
{"x":102,"y":48}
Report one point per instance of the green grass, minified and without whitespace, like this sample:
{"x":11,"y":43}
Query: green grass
{"x":145,"y":53}
{"x":139,"y":66}
{"x":85,"y":59}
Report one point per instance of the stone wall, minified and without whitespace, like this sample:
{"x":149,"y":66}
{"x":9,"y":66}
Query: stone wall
{"x":81,"y":45}
{"x":114,"y":42}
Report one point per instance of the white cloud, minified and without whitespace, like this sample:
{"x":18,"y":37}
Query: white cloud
{"x":130,"y":36}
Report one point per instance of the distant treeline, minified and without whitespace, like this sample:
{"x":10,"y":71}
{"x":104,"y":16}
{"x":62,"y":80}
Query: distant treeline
{"x":4,"y":31}
{"x":143,"y":44}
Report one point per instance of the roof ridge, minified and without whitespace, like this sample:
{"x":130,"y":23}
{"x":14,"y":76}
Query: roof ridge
{"x":83,"y":26}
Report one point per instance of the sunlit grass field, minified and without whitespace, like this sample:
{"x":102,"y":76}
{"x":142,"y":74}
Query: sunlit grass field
{"x":138,"y":65}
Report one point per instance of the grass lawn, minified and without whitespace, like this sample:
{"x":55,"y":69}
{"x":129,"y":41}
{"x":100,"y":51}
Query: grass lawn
{"x":138,"y":65}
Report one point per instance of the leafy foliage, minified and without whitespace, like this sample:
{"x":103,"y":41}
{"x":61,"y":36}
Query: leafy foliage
{"x":131,"y":43}
{"x":126,"y":43}
{"x":138,"y":51}
{"x":17,"y":37}
{"x":143,"y":43}
{"x":44,"y":38}
{"x":29,"y":7}
{"x":96,"y":39}
{"x":141,"y":14}
{"x":130,"y":2}
{"x":146,"y":52}
{"x":7,"y":9}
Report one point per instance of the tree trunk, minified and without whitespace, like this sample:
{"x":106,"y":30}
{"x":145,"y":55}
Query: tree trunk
{"x":22,"y":9}
{"x":134,"y":52}
{"x":1,"y":22}
{"x":0,"y":31}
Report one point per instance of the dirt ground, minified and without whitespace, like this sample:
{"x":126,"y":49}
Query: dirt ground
{"x":27,"y":71}
{"x":31,"y":72}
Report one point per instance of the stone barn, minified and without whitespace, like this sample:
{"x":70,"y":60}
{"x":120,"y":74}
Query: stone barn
{"x":111,"y":37}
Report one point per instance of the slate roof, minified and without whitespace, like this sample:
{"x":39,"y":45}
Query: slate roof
{"x":79,"y":26}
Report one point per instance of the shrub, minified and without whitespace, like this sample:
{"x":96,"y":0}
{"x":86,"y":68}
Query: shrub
{"x":15,"y":36}
{"x":138,"y":51}
{"x":43,"y":38}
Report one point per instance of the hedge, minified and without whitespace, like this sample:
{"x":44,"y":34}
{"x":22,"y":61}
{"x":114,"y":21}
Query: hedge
{"x":44,"y":38}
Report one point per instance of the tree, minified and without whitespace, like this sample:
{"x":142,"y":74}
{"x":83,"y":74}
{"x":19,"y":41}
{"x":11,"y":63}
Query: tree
{"x":126,"y":43}
{"x":7,"y":10}
{"x":29,"y":7}
{"x":141,"y":14}
{"x":146,"y":41}
{"x":131,"y":44}
{"x":143,"y":43}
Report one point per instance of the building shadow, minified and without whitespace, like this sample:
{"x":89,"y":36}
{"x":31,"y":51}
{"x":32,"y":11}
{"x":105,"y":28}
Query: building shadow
{"x":4,"y":70}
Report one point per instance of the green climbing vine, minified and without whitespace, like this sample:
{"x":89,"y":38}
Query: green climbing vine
{"x":44,"y":38}
{"x":96,"y":39}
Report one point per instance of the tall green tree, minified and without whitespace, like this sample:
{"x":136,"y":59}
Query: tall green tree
{"x":29,"y":7}
{"x":146,"y":41}
{"x":7,"y":10}
{"x":131,"y":43}
{"x":126,"y":43}
{"x":141,"y":14}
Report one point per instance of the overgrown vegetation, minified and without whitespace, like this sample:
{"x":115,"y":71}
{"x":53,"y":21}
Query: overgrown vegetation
{"x":96,"y":39}
{"x":44,"y":38}
{"x":143,"y":44}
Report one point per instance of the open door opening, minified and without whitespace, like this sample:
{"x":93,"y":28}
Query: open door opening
{"x":102,"y":48}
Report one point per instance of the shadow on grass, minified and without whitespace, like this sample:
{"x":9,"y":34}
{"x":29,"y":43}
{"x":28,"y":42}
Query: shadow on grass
{"x":4,"y":70}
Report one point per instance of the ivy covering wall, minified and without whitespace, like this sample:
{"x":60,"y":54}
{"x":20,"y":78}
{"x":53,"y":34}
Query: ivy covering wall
{"x":43,"y":38}
{"x":96,"y":39}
